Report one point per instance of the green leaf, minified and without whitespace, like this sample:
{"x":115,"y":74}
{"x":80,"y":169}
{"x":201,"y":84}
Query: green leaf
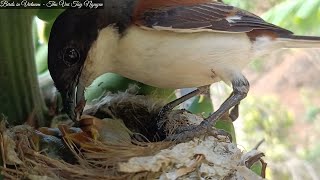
{"x":257,"y":168}
{"x":41,"y":59}
{"x":109,"y":82}
{"x":201,"y":105}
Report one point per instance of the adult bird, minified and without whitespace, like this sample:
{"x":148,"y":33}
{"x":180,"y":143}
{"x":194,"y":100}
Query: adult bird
{"x":163,"y":43}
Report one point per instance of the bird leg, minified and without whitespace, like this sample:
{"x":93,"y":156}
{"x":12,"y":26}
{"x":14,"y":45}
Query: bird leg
{"x":168,"y":107}
{"x":240,"y":90}
{"x":234,"y":113}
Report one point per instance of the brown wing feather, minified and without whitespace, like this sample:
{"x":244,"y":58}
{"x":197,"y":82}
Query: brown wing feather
{"x":145,"y":5}
{"x":200,"y":15}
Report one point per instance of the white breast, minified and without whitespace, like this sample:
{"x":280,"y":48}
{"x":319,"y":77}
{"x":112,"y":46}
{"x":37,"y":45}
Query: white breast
{"x":179,"y":60}
{"x":170,"y":59}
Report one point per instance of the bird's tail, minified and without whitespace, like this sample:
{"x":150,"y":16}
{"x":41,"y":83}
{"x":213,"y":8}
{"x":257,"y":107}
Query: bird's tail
{"x":300,"y":41}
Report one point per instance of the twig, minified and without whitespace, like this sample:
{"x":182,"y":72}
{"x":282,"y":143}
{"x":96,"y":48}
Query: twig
{"x":259,"y":144}
{"x":11,"y":170}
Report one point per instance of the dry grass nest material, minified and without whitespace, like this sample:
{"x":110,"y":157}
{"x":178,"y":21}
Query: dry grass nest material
{"x":119,"y":139}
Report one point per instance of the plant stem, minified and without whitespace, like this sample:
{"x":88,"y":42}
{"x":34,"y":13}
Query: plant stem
{"x":19,"y":90}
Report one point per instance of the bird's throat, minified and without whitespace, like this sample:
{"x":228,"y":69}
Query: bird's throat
{"x":101,"y":55}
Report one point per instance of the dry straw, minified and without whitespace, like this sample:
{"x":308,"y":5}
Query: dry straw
{"x":118,"y":139}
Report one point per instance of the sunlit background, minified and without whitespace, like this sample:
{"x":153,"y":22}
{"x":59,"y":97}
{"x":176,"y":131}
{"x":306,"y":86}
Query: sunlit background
{"x":283,"y":106}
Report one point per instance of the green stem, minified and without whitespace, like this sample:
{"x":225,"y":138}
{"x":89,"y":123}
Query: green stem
{"x":19,"y":90}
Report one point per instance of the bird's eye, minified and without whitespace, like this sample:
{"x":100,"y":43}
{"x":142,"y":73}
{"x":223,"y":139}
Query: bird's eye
{"x":71,"y":56}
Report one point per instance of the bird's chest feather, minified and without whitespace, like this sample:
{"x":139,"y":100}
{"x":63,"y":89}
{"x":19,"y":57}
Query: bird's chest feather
{"x":170,"y":59}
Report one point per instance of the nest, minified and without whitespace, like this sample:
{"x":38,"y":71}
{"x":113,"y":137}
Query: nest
{"x":118,"y":138}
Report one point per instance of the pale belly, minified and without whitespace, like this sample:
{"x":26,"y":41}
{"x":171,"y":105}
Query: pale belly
{"x":168,"y":59}
{"x":180,"y":60}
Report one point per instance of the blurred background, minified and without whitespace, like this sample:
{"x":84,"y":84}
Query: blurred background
{"x":282,"y":108}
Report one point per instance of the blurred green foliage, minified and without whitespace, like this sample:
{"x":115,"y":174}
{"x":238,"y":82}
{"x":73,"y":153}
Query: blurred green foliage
{"x":300,"y":16}
{"x":265,"y":118}
{"x":201,"y":105}
{"x":48,"y":15}
{"x":312,"y":108}
{"x":253,"y":5}
{"x":312,"y":153}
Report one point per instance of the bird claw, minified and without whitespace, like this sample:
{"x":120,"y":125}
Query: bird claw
{"x":234,"y":113}
{"x":160,"y":119}
{"x":187,"y":133}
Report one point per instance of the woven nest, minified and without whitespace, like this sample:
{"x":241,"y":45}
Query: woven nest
{"x":118,"y":138}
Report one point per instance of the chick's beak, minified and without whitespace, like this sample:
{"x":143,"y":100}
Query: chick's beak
{"x":74,"y":101}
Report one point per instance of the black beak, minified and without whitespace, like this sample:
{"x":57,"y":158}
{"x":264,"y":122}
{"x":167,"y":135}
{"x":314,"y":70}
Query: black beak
{"x":73,"y":101}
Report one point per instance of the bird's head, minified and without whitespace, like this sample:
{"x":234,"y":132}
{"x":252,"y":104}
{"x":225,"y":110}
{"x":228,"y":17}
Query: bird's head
{"x":71,"y":36}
